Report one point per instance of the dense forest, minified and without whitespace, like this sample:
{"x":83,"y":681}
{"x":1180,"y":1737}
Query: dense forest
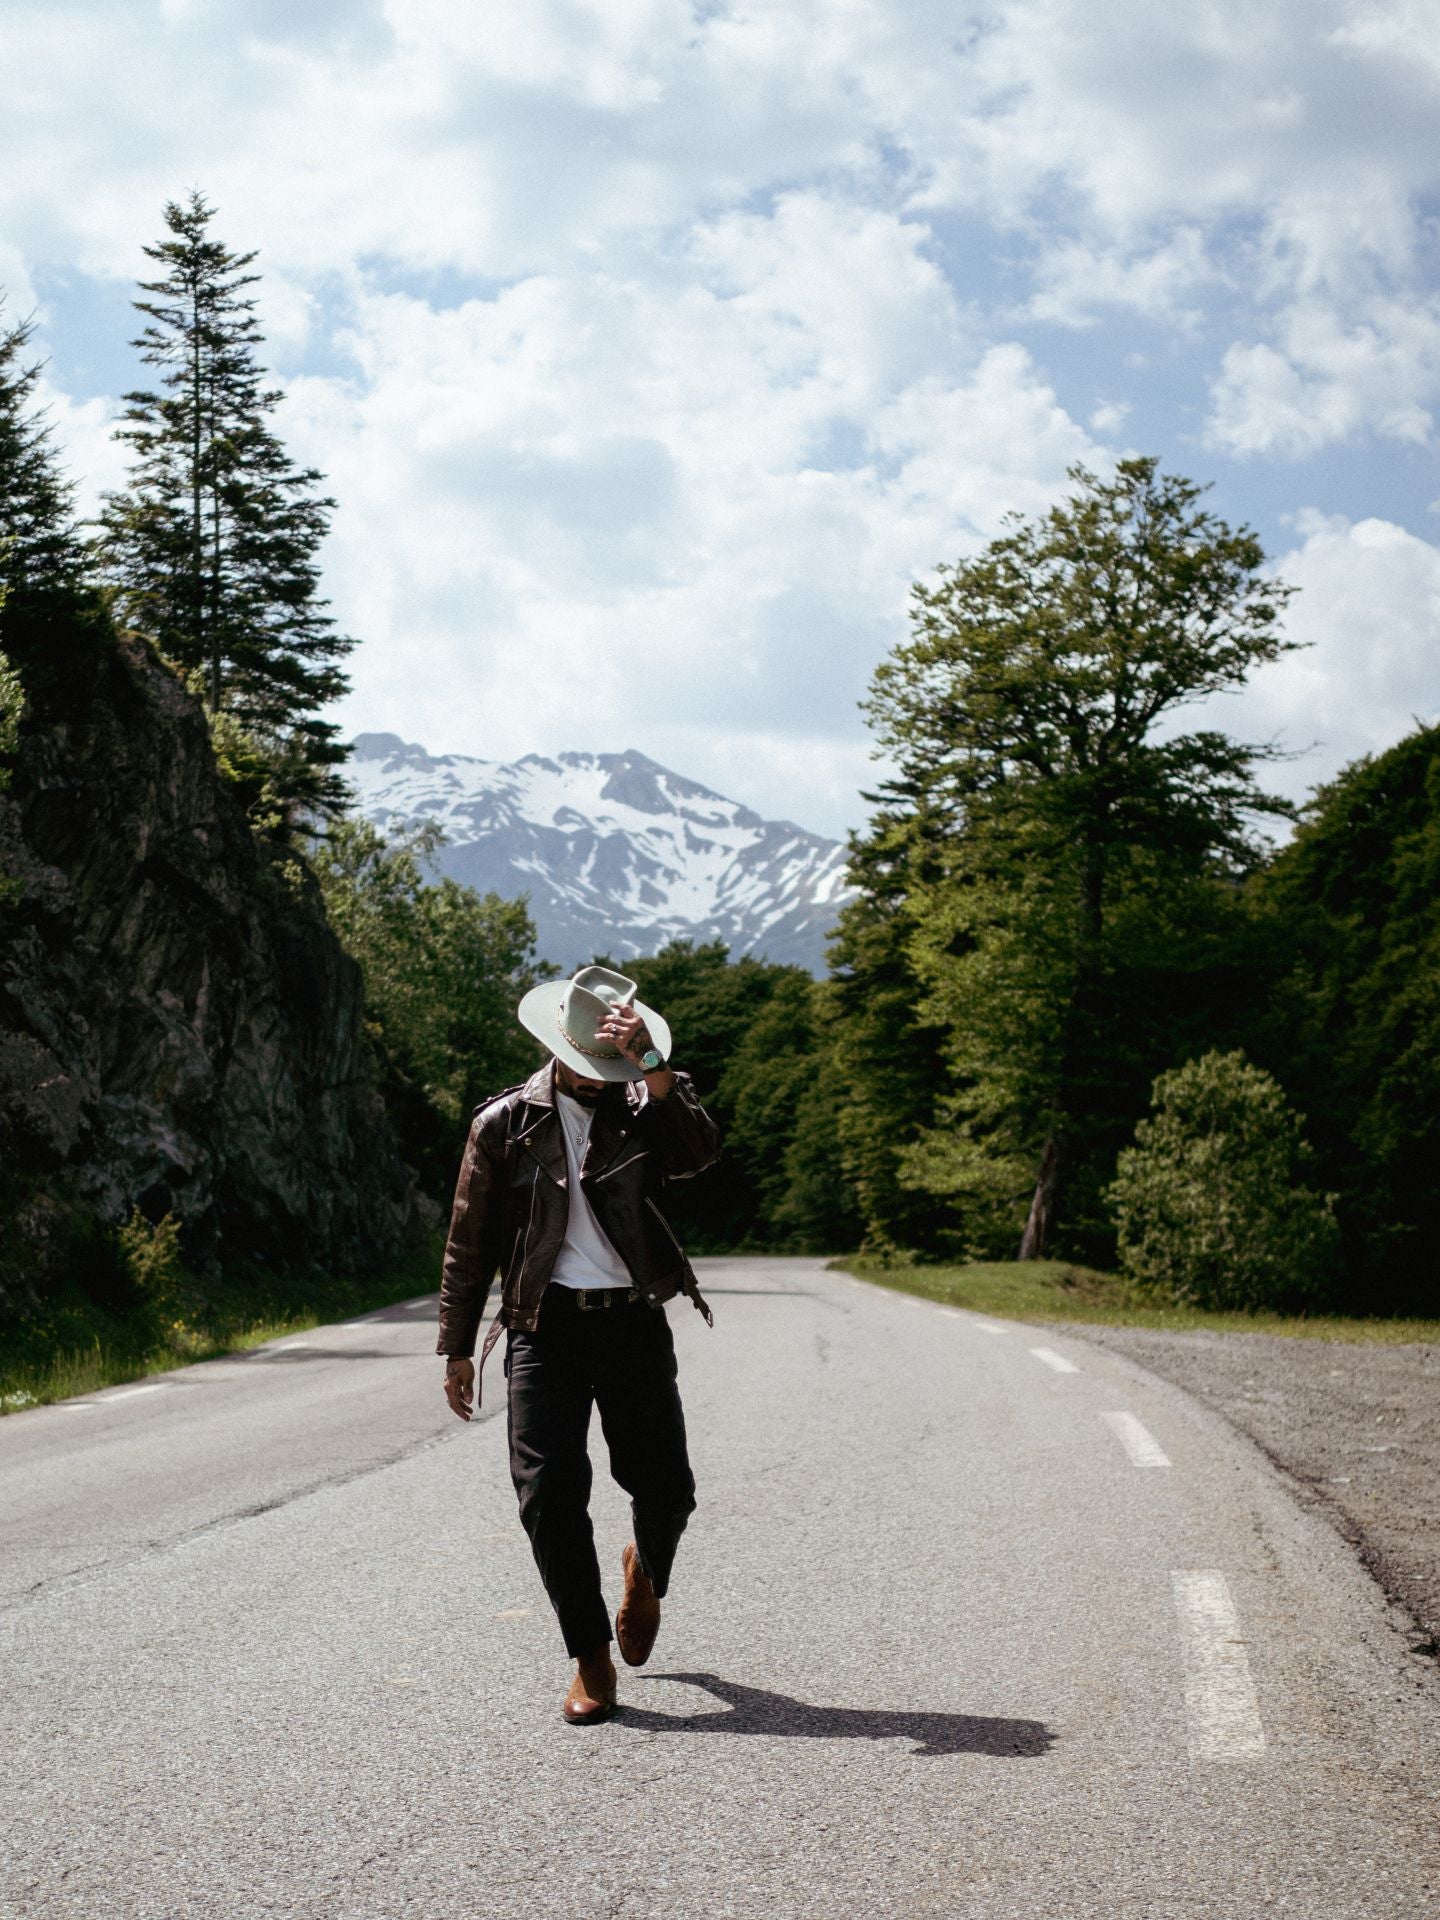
{"x":1099,"y":993}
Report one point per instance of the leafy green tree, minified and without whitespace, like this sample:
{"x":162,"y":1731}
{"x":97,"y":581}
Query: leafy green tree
{"x":214,"y":544}
{"x":1036,"y":707}
{"x":710,"y":1003}
{"x":883,"y":1053}
{"x":1211,"y":1203}
{"x":1353,"y":1027}
{"x":751,"y":1033}
{"x":444,"y":970}
{"x":783,"y":1099}
{"x":818,"y":1207}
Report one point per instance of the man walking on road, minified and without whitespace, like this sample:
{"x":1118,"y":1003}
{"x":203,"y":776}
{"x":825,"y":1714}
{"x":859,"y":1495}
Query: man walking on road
{"x":560,"y":1191}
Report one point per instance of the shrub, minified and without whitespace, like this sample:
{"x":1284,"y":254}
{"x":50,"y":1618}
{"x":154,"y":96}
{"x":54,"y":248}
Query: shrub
{"x":1210,"y":1203}
{"x":155,"y":1266}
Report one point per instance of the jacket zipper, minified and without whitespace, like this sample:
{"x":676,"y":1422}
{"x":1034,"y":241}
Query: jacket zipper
{"x":669,"y":1230}
{"x":690,"y":1289}
{"x":622,"y":1166}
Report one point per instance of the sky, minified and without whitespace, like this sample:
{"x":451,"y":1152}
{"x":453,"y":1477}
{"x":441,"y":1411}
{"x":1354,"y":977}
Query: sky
{"x":652,"y":348}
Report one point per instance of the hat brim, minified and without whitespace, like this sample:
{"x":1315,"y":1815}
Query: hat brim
{"x":539,"y":1013}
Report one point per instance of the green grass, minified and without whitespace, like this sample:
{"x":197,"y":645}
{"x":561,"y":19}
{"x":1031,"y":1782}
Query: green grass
{"x":235,"y":1317}
{"x":1050,"y":1290}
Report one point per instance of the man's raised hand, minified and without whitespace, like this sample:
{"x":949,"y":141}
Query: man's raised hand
{"x":624,"y":1027}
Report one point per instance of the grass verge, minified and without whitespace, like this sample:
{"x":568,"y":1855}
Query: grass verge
{"x":91,"y":1349}
{"x":1042,"y":1290}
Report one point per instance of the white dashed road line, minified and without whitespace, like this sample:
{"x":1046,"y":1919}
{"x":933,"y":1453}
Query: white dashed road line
{"x":1136,"y":1438}
{"x":1049,"y":1357}
{"x":129,"y":1393}
{"x":986,"y":1326}
{"x":1220,"y":1703}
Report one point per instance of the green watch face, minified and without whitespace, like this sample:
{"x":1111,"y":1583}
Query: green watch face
{"x":650,"y":1060}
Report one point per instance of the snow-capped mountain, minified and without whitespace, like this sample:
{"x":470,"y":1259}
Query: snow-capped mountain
{"x":617,"y":854}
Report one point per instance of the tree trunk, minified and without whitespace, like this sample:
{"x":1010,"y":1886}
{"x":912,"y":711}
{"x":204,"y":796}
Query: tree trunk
{"x":1043,"y":1205}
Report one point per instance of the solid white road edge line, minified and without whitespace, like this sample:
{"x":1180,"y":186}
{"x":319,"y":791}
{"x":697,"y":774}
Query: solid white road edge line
{"x":129,"y":1393}
{"x":1056,"y":1360}
{"x":986,"y":1327}
{"x":1220,"y":1703}
{"x":1136,"y":1438}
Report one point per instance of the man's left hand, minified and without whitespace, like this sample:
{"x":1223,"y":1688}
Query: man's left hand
{"x":624,"y":1028}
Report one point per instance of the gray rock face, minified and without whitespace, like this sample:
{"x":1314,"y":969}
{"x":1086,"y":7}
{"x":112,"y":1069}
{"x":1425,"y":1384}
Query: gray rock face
{"x":179,"y":1028}
{"x":616,"y":853}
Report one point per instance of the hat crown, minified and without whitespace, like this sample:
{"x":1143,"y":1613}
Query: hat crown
{"x":606,"y":985}
{"x":588,"y":1000}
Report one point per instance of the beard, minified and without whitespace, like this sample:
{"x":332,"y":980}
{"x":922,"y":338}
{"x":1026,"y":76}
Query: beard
{"x":588,"y":1095}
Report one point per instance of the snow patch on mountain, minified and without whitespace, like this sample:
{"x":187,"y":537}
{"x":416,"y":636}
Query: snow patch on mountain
{"x":617,"y":853}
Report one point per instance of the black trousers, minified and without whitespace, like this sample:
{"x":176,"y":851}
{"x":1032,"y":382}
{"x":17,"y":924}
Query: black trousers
{"x":621,"y":1359}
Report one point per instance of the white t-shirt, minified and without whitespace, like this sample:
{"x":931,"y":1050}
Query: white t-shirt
{"x":586,"y":1258}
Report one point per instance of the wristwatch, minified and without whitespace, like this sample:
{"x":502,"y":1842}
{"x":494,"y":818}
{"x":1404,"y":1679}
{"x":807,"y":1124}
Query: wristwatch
{"x":651,"y":1061}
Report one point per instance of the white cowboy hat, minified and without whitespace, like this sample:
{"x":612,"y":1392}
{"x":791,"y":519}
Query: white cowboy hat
{"x":566,"y":1016}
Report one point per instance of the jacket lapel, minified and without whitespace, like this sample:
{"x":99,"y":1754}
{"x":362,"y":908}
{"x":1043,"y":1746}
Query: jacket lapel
{"x":608,"y":1134}
{"x":539,"y":1133}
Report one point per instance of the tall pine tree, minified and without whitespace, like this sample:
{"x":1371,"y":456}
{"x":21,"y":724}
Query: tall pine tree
{"x":214,"y":543}
{"x":40,"y":553}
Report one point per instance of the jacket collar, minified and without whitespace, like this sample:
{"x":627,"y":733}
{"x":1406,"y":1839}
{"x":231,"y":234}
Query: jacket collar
{"x":541,"y":1133}
{"x":539,"y":1089}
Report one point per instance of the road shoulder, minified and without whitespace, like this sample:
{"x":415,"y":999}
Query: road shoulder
{"x":1356,"y":1428}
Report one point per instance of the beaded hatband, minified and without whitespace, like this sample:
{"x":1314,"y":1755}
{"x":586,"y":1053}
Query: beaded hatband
{"x":590,"y":1053}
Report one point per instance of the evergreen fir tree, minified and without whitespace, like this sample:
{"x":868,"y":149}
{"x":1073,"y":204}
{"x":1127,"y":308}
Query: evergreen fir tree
{"x":214,"y":544}
{"x":40,"y":553}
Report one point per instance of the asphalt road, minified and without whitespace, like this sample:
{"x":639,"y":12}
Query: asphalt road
{"x":974,"y":1619}
{"x":1356,"y":1426}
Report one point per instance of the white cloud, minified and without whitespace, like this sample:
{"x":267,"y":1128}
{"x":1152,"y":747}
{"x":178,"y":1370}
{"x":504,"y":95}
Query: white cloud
{"x":1109,"y":416}
{"x":1368,"y":615}
{"x":675,"y":396}
{"x":83,"y":436}
{"x":580,"y":514}
{"x":1329,"y":382}
{"x":1076,"y":280}
{"x":17,"y":289}
{"x":508,"y":139}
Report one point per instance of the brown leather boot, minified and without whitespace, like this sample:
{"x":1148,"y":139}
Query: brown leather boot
{"x":638,"y":1621}
{"x":592,"y":1691}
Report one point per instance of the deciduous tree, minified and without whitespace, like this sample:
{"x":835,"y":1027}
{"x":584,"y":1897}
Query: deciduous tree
{"x":444,"y":970}
{"x":1037,"y":706}
{"x":1353,"y":1027}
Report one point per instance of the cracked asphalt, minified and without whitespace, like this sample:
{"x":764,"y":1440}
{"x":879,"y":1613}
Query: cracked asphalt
{"x":960,"y":1628}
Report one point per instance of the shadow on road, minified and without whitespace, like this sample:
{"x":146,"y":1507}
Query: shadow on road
{"x":752,"y":1710}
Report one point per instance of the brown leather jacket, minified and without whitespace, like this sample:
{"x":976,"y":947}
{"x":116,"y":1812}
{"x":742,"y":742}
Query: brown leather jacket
{"x":511,"y":1203}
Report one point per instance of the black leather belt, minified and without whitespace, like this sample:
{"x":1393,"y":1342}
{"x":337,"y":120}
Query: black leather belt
{"x":591,"y":1299}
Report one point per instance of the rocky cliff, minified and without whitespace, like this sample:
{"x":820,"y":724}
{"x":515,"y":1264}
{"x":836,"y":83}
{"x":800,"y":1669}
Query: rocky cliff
{"x":179,"y":1028}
